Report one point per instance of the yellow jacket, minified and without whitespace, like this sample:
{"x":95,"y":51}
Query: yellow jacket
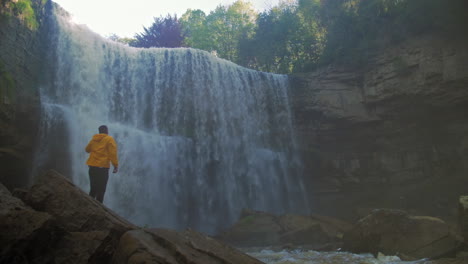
{"x":103,"y":150}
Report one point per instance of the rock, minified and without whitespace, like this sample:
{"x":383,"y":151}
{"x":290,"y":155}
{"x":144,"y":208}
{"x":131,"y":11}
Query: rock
{"x":21,"y":65}
{"x":392,"y":134}
{"x":447,"y":261}
{"x":27,"y":236}
{"x":172,"y":247}
{"x":311,"y":230}
{"x":259,"y":229}
{"x":394,"y":232}
{"x":253,"y":230}
{"x":65,"y":225}
{"x":79,"y":214}
{"x":463,"y":216}
{"x":82,"y":248}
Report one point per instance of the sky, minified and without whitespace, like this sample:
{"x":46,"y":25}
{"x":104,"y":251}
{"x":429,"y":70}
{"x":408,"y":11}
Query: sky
{"x":128,"y":17}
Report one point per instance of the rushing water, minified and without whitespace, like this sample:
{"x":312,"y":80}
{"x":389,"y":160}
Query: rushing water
{"x":314,"y":257}
{"x":199,"y":138}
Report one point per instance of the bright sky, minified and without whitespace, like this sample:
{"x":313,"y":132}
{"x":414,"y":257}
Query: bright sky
{"x":128,"y":17}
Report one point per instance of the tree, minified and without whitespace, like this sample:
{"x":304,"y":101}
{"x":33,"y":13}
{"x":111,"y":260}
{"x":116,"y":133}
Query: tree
{"x":193,"y":24}
{"x":287,"y":39}
{"x":222,"y":30}
{"x":164,"y":32}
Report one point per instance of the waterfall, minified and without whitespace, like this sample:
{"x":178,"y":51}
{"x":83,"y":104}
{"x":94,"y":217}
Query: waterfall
{"x":199,"y":138}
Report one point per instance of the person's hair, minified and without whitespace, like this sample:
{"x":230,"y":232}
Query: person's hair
{"x":103,"y":129}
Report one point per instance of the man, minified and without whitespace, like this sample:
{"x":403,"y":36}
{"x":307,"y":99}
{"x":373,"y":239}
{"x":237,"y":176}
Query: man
{"x":102,"y":151}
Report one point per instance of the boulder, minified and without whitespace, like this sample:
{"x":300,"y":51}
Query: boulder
{"x":172,"y":247}
{"x":93,"y":230}
{"x":27,"y":236}
{"x":253,"y":230}
{"x":257,"y":229}
{"x":394,"y":232}
{"x":463,"y":216}
{"x":65,"y":225}
{"x":447,"y":261}
{"x":83,"y":247}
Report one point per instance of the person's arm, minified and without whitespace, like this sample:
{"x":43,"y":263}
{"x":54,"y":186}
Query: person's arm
{"x":88,"y":147}
{"x":112,"y":148}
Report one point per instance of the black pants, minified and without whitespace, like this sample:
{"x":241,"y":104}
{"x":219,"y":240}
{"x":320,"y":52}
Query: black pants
{"x":98,"y":180}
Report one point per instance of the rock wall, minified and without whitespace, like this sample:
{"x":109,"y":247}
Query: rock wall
{"x":20,"y":73}
{"x":393,"y":134}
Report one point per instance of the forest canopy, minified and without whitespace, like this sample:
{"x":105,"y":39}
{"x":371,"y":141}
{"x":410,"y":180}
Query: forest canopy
{"x":298,"y":36}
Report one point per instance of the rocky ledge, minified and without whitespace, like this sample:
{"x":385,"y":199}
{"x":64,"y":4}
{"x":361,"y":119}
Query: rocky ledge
{"x":56,"y":222}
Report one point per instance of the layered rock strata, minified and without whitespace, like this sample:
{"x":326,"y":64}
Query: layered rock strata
{"x":391,"y":134}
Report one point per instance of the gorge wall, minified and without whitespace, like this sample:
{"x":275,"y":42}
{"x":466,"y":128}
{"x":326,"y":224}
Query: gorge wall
{"x":21,"y":46}
{"x":392,"y":134}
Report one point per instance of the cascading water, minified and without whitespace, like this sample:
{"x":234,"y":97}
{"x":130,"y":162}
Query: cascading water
{"x":199,"y":138}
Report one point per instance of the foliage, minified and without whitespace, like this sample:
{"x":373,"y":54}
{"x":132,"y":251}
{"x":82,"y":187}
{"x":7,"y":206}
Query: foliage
{"x":23,"y":9}
{"x":222,"y":30}
{"x":299,"y":35}
{"x":294,"y":40}
{"x":193,"y":23}
{"x":356,"y":28}
{"x":164,"y":32}
{"x":7,"y":85}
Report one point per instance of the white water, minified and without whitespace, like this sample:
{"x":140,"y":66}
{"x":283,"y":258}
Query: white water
{"x":314,"y":257}
{"x":199,"y":138}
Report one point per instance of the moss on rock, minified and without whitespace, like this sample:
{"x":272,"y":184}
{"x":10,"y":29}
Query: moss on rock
{"x":7,"y":86}
{"x":22,"y":9}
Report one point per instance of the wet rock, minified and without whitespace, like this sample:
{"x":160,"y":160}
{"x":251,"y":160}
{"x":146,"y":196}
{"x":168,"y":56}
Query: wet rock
{"x":463,"y":216}
{"x":82,"y":247}
{"x":394,"y":232}
{"x":26,"y":236}
{"x":62,"y":224}
{"x":172,"y":247}
{"x":79,"y":214}
{"x":253,"y":229}
{"x":446,"y":261}
{"x":256,"y":229}
{"x":75,"y":209}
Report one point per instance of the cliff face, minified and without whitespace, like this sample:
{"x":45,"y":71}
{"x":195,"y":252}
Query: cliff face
{"x":394,"y":134}
{"x":20,"y":72}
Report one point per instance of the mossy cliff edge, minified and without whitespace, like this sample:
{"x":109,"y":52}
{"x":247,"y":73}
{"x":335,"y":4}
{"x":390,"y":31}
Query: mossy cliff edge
{"x":21,"y":51}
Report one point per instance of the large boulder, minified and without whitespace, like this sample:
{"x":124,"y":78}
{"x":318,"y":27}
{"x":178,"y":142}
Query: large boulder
{"x":172,"y":247}
{"x":394,"y":232}
{"x":56,"y":222}
{"x":463,"y":216}
{"x":93,"y":230}
{"x":253,"y":229}
{"x":257,"y":229}
{"x":26,"y":236}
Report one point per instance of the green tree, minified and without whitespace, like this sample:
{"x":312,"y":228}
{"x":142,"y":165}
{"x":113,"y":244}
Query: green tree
{"x":226,"y":26}
{"x":193,"y":23}
{"x":287,"y":39}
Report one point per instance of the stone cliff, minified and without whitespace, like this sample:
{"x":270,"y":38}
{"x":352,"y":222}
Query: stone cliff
{"x":20,"y":72}
{"x":391,"y":134}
